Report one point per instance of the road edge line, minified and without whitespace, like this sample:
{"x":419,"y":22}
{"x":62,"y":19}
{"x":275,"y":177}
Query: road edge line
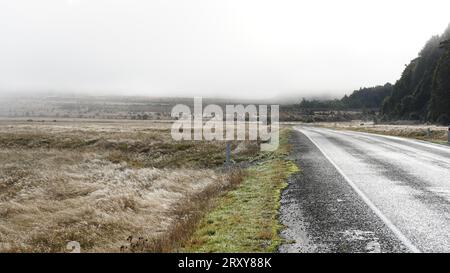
{"x":420,"y":142}
{"x":366,"y":200}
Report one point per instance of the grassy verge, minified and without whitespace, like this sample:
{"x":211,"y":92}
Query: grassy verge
{"x":246,"y":219}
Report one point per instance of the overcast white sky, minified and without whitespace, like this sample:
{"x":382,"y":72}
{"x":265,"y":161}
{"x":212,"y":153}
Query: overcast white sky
{"x":249,"y":48}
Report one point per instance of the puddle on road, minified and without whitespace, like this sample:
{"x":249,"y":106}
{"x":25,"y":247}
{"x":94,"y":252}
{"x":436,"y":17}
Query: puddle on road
{"x":372,"y":244}
{"x":373,"y":247}
{"x":440,"y":191}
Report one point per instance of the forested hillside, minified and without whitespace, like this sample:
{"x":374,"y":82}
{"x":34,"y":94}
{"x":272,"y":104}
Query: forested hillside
{"x":368,"y":97}
{"x":371,"y":97}
{"x":423,"y":91}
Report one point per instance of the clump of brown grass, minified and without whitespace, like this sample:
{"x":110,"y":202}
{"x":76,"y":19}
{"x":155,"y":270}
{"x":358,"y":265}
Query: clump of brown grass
{"x":187,"y":215}
{"x":97,"y":184}
{"x":136,"y":146}
{"x":95,"y":203}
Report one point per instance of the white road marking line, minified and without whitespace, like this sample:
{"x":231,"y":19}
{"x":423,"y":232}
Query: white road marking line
{"x":369,"y":203}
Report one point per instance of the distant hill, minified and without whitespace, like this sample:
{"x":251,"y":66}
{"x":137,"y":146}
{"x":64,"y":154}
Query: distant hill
{"x":423,"y":91}
{"x":372,"y":97}
{"x":368,"y":98}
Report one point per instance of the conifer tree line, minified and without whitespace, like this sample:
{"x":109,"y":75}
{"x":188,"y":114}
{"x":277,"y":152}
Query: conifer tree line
{"x":422,"y":92}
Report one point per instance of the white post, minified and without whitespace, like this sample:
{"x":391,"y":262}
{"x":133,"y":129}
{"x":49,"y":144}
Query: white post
{"x":228,"y":153}
{"x":448,"y":134}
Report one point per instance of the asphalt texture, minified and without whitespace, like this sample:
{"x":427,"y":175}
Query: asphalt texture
{"x":360,"y":192}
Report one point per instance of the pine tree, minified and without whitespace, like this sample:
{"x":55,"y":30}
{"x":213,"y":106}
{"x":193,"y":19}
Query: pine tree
{"x":440,"y":96}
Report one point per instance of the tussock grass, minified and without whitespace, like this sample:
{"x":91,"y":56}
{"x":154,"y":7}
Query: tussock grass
{"x":138,"y":147}
{"x":99,"y":184}
{"x":187,"y":214}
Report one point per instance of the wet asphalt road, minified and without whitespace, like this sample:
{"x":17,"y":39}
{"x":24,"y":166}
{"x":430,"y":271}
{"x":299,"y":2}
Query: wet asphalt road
{"x":360,"y":192}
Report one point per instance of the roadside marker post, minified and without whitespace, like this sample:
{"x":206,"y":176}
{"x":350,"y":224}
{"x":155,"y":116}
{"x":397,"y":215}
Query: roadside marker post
{"x":228,"y":153}
{"x":448,"y":134}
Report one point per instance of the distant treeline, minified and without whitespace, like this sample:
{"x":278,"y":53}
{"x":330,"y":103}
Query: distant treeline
{"x":422,"y":93}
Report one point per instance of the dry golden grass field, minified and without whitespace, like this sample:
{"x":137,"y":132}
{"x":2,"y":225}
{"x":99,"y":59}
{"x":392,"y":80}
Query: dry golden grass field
{"x":100,"y":182}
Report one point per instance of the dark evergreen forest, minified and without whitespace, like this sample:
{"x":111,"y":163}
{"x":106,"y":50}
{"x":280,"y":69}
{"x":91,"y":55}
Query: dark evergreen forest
{"x":422,"y":92}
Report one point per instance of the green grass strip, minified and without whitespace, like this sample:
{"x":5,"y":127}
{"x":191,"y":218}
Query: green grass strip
{"x":246,"y":219}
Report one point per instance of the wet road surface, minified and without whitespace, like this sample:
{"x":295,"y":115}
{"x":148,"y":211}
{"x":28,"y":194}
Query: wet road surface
{"x":360,"y":192}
